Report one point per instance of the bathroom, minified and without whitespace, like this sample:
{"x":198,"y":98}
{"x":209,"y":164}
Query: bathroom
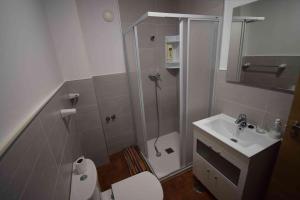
{"x":149,"y":99}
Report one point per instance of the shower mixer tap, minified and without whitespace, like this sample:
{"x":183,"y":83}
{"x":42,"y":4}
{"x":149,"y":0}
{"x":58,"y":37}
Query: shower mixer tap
{"x":155,"y":78}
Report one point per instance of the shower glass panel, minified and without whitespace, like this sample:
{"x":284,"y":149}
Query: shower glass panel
{"x":158,"y":44}
{"x":201,"y":55}
{"x":134,"y":79}
{"x":170,"y":64}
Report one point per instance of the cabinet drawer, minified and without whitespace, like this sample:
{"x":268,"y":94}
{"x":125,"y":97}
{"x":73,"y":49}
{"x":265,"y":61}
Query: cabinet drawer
{"x":202,"y":136}
{"x":229,"y":170}
{"x":213,"y":180}
{"x":223,"y":188}
{"x":224,"y":150}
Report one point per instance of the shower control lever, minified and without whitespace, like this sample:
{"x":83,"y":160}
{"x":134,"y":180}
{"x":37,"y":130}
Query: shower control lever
{"x":107,"y":119}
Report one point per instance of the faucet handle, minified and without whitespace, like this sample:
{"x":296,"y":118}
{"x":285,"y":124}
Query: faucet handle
{"x":241,"y":117}
{"x":158,"y":76}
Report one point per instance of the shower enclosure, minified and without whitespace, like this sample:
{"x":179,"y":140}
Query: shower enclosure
{"x":170,"y":61}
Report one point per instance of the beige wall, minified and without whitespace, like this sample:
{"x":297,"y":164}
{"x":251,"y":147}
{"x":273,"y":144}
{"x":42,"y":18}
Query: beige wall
{"x":262,"y":106}
{"x":132,"y":10}
{"x":202,"y":7}
{"x":67,"y":37}
{"x":103,"y":40}
{"x":85,"y":44}
{"x":29,"y":71}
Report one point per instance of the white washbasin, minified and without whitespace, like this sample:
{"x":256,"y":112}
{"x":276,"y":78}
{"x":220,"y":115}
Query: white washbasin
{"x":247,"y":141}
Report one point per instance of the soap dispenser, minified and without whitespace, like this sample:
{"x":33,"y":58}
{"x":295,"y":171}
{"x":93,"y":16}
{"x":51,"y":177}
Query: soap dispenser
{"x":275,"y":131}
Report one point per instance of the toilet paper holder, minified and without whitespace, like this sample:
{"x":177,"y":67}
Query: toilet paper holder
{"x":66,"y":115}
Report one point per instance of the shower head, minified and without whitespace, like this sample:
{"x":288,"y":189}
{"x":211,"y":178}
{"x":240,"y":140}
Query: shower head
{"x":155,"y":77}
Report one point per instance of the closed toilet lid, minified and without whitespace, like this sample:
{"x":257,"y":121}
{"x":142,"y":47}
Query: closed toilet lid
{"x":143,"y":186}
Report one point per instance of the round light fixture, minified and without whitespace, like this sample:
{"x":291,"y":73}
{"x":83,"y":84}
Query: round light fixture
{"x":108,"y":16}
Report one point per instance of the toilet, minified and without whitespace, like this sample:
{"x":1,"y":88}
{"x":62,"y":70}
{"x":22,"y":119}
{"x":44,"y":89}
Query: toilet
{"x":143,"y":186}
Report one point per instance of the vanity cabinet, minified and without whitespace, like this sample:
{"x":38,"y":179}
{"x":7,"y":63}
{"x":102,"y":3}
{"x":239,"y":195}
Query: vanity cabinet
{"x":213,"y":180}
{"x":227,"y":173}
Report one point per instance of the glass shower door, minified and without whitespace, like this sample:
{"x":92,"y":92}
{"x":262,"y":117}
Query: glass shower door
{"x":130,"y":41}
{"x":200,"y":46}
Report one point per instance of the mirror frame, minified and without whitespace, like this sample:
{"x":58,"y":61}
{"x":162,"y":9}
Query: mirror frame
{"x":229,"y":5}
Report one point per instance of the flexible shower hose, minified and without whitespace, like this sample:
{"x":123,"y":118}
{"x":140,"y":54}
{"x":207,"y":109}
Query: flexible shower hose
{"x":158,"y":121}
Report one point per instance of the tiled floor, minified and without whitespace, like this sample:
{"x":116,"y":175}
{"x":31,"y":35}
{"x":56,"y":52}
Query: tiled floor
{"x":113,"y":172}
{"x":166,"y":163}
{"x":180,"y":187}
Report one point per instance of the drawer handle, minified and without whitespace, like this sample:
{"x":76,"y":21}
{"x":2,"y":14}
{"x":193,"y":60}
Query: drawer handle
{"x":207,"y":170}
{"x":216,"y":178}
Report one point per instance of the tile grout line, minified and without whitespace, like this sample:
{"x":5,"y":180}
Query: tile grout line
{"x":38,"y":157}
{"x":59,"y":167}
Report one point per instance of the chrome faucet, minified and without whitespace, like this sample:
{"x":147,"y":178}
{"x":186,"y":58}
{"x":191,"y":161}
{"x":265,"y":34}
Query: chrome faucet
{"x":241,"y":121}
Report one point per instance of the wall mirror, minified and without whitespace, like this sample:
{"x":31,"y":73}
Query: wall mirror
{"x":265,"y":45}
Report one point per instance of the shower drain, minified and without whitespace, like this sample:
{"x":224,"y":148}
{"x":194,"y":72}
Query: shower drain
{"x":169,"y":150}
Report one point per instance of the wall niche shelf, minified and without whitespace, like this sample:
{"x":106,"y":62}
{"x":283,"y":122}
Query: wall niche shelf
{"x":172,"y":52}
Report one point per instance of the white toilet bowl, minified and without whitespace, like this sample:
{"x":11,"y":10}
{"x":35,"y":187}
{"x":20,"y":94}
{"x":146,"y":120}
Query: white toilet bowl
{"x":143,"y":186}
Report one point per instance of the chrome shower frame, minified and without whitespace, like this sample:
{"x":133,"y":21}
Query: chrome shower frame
{"x":182,"y":93}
